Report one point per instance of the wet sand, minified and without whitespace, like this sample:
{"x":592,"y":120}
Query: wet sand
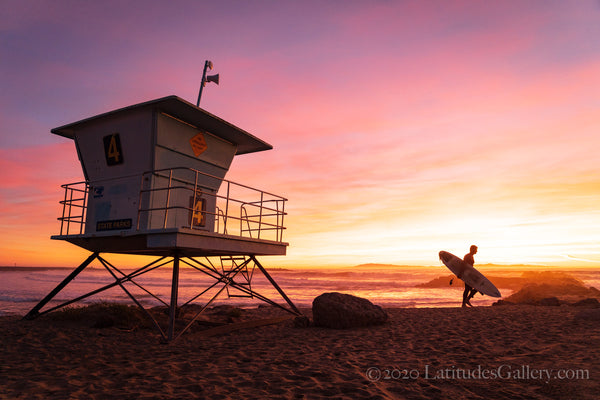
{"x":509,"y":352}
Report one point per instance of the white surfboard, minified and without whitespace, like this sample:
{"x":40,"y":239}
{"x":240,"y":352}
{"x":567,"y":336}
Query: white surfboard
{"x":469,"y":274}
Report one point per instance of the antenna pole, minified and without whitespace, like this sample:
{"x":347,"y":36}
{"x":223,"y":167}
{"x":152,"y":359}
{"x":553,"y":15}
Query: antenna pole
{"x":207,"y":65}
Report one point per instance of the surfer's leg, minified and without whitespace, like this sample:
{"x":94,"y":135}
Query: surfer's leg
{"x":466,"y":295}
{"x":472,"y":293}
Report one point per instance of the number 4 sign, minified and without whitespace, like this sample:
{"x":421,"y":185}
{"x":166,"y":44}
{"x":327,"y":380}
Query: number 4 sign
{"x":198,"y":210}
{"x":112,"y":149}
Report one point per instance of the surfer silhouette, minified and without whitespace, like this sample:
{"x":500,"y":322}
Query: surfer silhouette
{"x":469,"y":291}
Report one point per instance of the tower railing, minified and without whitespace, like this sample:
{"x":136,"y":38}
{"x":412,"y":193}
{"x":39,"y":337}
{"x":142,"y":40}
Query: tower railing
{"x":187,"y":198}
{"x":72,"y":221}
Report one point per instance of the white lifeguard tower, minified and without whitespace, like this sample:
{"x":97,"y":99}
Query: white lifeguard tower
{"x":154,"y":185}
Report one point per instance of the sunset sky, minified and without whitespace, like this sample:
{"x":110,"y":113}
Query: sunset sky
{"x":400,"y":128}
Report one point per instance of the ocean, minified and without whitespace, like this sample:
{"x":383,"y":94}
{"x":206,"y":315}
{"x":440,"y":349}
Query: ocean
{"x":388,"y":286}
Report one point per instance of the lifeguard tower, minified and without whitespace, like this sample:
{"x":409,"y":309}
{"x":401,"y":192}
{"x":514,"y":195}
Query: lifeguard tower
{"x":154,"y":185}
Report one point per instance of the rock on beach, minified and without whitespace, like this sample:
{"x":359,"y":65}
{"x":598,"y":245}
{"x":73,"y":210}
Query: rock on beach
{"x":343,"y":311}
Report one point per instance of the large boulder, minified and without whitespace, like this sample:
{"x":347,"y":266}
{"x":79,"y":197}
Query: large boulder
{"x":341,"y":311}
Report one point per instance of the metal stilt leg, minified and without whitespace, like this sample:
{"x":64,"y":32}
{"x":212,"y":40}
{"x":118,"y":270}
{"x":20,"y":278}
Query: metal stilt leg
{"x":35,"y":310}
{"x":275,"y":285}
{"x":173,"y":305}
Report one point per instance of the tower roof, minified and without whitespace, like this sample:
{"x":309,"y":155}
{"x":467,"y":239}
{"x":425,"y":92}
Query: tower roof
{"x":186,"y":112}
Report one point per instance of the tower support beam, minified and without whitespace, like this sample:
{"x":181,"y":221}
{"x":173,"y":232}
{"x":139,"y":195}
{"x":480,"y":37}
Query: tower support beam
{"x":35,"y":310}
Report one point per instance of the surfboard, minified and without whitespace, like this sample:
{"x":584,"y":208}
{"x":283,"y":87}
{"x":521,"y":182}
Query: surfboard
{"x":469,"y":274}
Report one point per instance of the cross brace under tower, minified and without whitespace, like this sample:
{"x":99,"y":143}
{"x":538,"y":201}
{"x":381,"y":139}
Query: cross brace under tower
{"x":223,"y":280}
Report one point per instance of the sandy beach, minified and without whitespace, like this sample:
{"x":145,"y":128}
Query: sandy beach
{"x":505,"y":352}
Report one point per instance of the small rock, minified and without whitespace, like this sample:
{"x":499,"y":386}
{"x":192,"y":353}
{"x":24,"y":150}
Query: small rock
{"x":301,"y":322}
{"x":590,"y":302}
{"x":550,"y":301}
{"x":503,"y":303}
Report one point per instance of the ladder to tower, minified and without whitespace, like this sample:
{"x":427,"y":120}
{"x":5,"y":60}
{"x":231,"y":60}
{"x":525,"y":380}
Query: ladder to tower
{"x":239,"y":267}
